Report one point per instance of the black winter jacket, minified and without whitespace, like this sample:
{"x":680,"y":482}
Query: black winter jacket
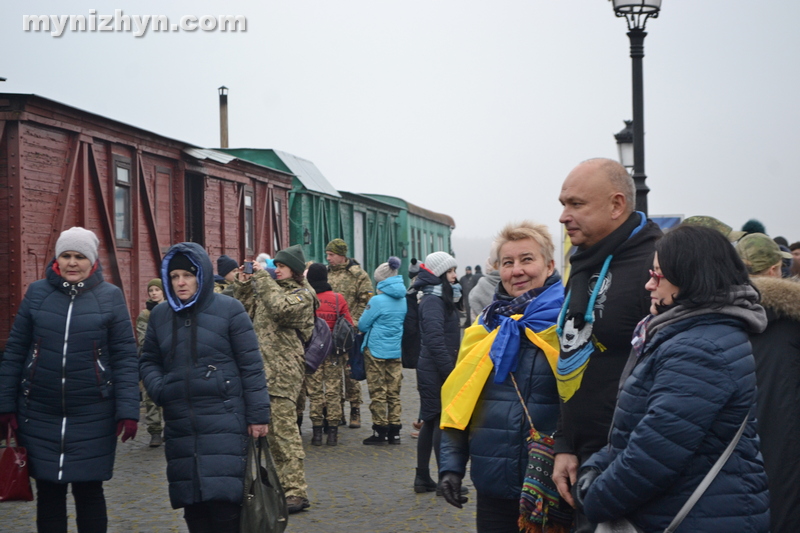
{"x":81,"y":334}
{"x":679,"y":409}
{"x":440,"y":336}
{"x":777,"y":354}
{"x":203,"y":366}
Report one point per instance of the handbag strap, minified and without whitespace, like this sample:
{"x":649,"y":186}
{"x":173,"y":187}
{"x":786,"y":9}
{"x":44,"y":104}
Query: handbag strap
{"x":698,"y":492}
{"x":522,"y":402}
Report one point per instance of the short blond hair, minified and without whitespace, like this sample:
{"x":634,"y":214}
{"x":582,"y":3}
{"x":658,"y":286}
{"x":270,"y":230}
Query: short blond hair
{"x":526,"y":229}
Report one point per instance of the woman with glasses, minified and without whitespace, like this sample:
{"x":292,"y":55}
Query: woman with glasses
{"x":688,"y":387}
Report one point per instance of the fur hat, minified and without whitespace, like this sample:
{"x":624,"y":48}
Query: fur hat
{"x":439,"y":263}
{"x":338,"y":247}
{"x":293,"y":258}
{"x":180,"y":261}
{"x":759,"y":252}
{"x":155,"y":283}
{"x":77,"y":239}
{"x":225,"y":264}
{"x":387,"y":270}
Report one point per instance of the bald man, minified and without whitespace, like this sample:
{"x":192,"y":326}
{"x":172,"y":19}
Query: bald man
{"x":607,"y":298}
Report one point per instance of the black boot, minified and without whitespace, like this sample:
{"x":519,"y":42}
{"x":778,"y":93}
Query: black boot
{"x":394,"y":433}
{"x":316,"y":435}
{"x":333,"y":436}
{"x":423,"y":481}
{"x":378,"y":437}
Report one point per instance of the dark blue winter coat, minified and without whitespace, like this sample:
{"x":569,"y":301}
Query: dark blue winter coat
{"x":495,"y":440}
{"x":69,"y":372}
{"x":202,"y":364}
{"x":692,"y":387}
{"x":440,"y":336}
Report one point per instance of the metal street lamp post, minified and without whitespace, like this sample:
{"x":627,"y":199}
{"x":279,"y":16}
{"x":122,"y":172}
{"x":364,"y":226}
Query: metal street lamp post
{"x":625,"y":145}
{"x":636,"y":12}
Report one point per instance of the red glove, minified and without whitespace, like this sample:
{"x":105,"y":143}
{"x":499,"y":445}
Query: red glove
{"x":7,"y":419}
{"x":127,"y":428}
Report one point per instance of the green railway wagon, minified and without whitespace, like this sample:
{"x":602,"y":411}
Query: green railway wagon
{"x":375,"y":226}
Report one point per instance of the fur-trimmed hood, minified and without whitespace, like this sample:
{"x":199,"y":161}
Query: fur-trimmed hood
{"x":781,"y":296}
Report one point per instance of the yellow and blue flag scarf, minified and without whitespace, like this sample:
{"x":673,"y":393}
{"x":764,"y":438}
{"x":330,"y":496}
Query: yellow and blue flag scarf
{"x":495,"y":345}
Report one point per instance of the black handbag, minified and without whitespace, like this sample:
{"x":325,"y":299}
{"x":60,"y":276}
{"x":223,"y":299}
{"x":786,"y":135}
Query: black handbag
{"x":264,"y":507}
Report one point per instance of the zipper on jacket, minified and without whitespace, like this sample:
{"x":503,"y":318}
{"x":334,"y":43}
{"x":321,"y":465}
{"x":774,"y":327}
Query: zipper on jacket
{"x":102,"y":384}
{"x":72,"y":293}
{"x":196,"y":490}
{"x":26,"y":388}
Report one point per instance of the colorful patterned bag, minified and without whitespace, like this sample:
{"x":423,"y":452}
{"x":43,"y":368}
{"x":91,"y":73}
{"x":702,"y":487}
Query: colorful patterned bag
{"x":541,"y":509}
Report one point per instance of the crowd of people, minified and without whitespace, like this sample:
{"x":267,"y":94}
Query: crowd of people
{"x":663,"y":362}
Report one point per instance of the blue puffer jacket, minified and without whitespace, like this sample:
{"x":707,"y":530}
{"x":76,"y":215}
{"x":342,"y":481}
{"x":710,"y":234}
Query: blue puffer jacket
{"x":382,"y":320}
{"x":202,"y":364}
{"x":440,"y":336}
{"x":73,"y":422}
{"x":495,"y":440}
{"x":679,"y":409}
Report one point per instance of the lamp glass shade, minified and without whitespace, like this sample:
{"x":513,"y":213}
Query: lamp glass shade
{"x":625,"y":154}
{"x":637,"y":6}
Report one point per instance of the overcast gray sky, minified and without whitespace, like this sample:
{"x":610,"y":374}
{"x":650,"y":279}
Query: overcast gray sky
{"x":476,"y":109}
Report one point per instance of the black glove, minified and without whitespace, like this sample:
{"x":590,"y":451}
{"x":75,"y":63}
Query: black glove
{"x":451,"y":489}
{"x":581,"y":487}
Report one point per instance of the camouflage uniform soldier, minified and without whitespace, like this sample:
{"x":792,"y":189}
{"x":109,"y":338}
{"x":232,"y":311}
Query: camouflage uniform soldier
{"x":155,"y":423}
{"x":226,"y":274}
{"x":346,"y":277}
{"x":284,"y":307}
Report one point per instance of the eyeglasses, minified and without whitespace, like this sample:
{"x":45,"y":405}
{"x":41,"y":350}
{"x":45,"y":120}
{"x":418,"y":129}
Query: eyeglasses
{"x":656,"y":276}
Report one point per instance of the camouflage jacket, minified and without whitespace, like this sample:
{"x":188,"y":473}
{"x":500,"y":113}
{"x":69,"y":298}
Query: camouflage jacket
{"x":224,"y":287}
{"x":141,"y":326}
{"x":281,"y":309}
{"x":354,"y":284}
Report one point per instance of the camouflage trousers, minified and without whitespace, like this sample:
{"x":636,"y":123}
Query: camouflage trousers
{"x":352,"y":389}
{"x":155,"y":422}
{"x":383,"y":381}
{"x":286,"y":446}
{"x":324,"y":388}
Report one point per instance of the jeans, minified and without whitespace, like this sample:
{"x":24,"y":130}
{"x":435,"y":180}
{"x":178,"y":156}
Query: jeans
{"x":212,"y":517}
{"x":51,"y":507}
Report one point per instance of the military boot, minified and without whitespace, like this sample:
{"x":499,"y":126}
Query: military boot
{"x":333,"y":436}
{"x":378,"y":437}
{"x":355,"y":418}
{"x":394,"y":433}
{"x":316,"y":435}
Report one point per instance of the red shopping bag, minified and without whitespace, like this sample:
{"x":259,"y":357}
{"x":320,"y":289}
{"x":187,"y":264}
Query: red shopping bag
{"x":14,"y":481}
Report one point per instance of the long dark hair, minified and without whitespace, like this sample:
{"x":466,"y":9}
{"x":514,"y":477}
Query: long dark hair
{"x":702,"y":264}
{"x":447,"y":294}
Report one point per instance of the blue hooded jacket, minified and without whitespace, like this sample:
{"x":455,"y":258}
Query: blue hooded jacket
{"x":201,"y":363}
{"x":383,"y":318}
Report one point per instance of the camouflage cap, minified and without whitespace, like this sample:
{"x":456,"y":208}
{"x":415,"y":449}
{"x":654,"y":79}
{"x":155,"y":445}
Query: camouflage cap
{"x":713,"y":223}
{"x":759,"y":252}
{"x":338,"y":247}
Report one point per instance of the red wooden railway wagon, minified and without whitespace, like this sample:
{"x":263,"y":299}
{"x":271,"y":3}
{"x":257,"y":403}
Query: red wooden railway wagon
{"x":140,"y":192}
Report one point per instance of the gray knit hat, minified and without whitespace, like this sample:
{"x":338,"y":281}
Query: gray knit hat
{"x":77,"y":239}
{"x":387,"y":270}
{"x":293,"y":257}
{"x":440,"y":262}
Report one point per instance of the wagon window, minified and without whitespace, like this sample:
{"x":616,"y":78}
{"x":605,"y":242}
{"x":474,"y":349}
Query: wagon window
{"x":122,"y":201}
{"x":249,"y":222}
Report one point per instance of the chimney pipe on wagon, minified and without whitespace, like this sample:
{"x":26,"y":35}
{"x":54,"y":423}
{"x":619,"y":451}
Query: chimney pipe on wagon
{"x":223,"y":117}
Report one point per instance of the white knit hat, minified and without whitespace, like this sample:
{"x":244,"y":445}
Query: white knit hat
{"x":440,"y":262}
{"x":77,"y":239}
{"x":387,"y":270}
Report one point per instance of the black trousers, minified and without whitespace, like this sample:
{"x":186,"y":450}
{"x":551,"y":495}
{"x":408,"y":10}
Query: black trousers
{"x":497,"y":515}
{"x":51,"y":507}
{"x":212,"y":517}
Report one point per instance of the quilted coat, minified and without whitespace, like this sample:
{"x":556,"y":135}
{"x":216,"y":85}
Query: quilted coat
{"x":201,"y":363}
{"x":689,"y":392}
{"x":440,"y":336}
{"x":70,"y":373}
{"x":383,"y":318}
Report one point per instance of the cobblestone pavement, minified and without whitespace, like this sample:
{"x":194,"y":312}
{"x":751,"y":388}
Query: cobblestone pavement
{"x":353,"y":488}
